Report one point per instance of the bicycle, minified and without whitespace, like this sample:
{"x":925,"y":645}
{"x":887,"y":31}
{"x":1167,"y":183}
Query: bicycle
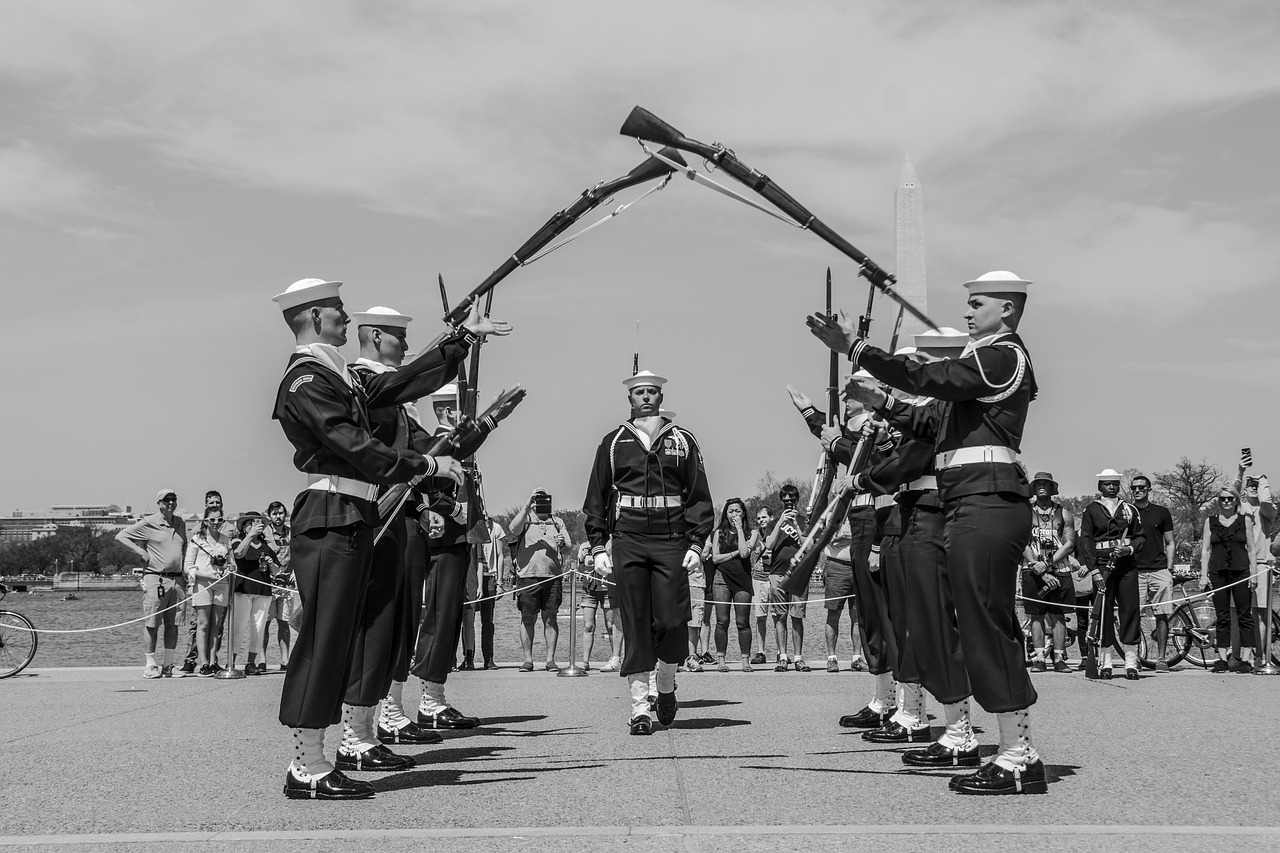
{"x":1192,"y":632}
{"x":18,"y":640}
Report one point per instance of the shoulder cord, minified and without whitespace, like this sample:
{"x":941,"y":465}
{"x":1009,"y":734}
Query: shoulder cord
{"x":1014,"y":382}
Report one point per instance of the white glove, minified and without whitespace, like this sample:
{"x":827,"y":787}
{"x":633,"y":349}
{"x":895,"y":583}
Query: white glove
{"x":603,"y":563}
{"x":691,"y":559}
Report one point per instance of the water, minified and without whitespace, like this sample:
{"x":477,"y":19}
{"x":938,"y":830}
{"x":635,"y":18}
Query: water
{"x":124,"y":646}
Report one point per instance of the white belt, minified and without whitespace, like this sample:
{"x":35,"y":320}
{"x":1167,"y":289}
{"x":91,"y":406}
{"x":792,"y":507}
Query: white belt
{"x":656,"y":502}
{"x":927,"y":483}
{"x":975,"y":455}
{"x":1108,"y":544}
{"x":864,"y":499}
{"x":344,"y":486}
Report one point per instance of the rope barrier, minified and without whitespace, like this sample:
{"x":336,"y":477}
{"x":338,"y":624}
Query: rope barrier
{"x":1173,"y":603}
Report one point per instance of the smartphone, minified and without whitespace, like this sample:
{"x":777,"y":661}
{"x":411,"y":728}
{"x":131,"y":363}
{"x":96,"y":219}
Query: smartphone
{"x":1246,"y":457}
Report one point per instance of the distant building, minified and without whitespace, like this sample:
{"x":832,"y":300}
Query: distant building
{"x":908,"y":210}
{"x":25,"y":526}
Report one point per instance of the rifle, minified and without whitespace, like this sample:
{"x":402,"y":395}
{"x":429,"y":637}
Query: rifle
{"x":826,"y":473}
{"x":591,"y":198}
{"x":459,"y":442}
{"x":643,"y":124}
{"x":1093,"y":640}
{"x":821,"y":530}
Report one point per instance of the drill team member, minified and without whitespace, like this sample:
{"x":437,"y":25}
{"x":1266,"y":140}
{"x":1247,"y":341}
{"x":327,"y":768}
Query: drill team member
{"x":648,"y":490}
{"x":979,"y":416}
{"x":1110,"y":534}
{"x":393,"y":607}
{"x":323,"y":412}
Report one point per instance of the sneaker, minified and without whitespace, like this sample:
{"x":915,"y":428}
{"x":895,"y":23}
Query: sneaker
{"x":166,"y":671}
{"x":615,"y":664}
{"x":758,"y":658}
{"x":1060,"y":665}
{"x":152,"y":671}
{"x":207,"y":671}
{"x":693,"y":664}
{"x":1162,"y":666}
{"x":857,"y":664}
{"x":781,"y":664}
{"x":706,"y":657}
{"x":1039,"y":665}
{"x":262,"y":667}
{"x":833,"y":665}
{"x":189,"y":667}
{"x":1218,"y":666}
{"x":801,"y":666}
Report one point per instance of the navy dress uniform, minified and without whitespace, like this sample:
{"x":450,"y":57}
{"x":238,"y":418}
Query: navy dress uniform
{"x":324,"y":415}
{"x":648,"y":492}
{"x":976,"y":426}
{"x":1109,"y":539}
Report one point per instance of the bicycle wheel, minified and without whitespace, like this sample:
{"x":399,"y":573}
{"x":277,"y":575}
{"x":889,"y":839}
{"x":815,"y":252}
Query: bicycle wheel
{"x":1275,"y":636}
{"x":1200,"y":648}
{"x":18,"y":641}
{"x":1183,"y":635}
{"x":1148,"y":647}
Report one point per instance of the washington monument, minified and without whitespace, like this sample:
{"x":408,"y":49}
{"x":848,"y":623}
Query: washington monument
{"x":908,"y":208}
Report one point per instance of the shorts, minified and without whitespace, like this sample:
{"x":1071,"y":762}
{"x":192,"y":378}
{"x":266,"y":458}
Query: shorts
{"x":837,"y":585}
{"x":697,"y":606}
{"x":782,"y":604}
{"x":159,"y":597}
{"x":760,"y":598}
{"x":545,"y":597}
{"x":1156,"y":587}
{"x":1037,"y":601}
{"x":598,"y":594}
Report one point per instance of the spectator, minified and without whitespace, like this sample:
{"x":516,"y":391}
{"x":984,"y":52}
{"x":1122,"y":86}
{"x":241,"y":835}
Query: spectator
{"x":1155,"y":564}
{"x":731,"y":548}
{"x":212,"y":499}
{"x":597,"y":595}
{"x":208,"y":554}
{"x":283,"y":589}
{"x":493,"y":562}
{"x":1046,"y":582}
{"x":708,"y":611}
{"x":1109,"y":536}
{"x":784,"y":540}
{"x":254,"y":557}
{"x":1257,"y":504}
{"x":160,"y":540}
{"x":539,"y":541}
{"x":760,"y":592}
{"x":1228,"y":562}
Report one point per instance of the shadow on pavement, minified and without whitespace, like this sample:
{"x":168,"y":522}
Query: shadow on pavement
{"x":707,"y":703}
{"x":708,"y":723}
{"x":490,"y":722}
{"x":408,"y":779}
{"x":447,"y":755}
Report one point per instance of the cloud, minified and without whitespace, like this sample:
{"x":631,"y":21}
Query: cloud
{"x":36,"y":185}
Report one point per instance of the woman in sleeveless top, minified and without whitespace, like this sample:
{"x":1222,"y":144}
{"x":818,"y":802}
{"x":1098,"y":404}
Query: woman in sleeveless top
{"x":1226,"y":557}
{"x":731,"y":551}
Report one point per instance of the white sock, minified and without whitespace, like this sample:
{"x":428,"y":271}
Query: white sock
{"x":1015,"y":750}
{"x":653,"y":681}
{"x":1105,"y":663}
{"x":433,"y":701}
{"x":169,"y":656}
{"x":392,"y":715}
{"x":959,"y":733}
{"x":638,"y":684}
{"x":1131,"y":658}
{"x":357,"y":728}
{"x":151,"y":659}
{"x":664,"y":679}
{"x":309,"y":762}
{"x":1246,"y":655}
{"x":910,"y":713}
{"x":884,"y":697}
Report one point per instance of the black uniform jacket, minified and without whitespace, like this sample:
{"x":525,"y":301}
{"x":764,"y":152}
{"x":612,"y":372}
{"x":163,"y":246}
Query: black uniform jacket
{"x":672,"y":467}
{"x":445,"y":498}
{"x":982,"y":399}
{"x":1100,"y":530}
{"x":328,"y":424}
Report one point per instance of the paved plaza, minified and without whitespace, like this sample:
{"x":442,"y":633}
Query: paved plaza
{"x":97,"y":759}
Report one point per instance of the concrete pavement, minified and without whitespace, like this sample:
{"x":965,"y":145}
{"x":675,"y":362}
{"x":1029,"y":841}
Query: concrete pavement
{"x":96,"y":758}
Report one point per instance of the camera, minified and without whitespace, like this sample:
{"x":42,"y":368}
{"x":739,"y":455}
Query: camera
{"x":218,"y":559}
{"x":542,"y":504}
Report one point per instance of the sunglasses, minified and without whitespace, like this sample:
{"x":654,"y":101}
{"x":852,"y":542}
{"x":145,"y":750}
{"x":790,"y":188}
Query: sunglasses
{"x":1138,"y":488}
{"x":1227,"y":499}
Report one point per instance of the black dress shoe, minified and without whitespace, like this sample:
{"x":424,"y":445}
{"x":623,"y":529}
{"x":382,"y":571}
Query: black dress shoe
{"x":449,"y":718}
{"x":330,"y":786}
{"x":1105,"y":672}
{"x":489,"y":664}
{"x":641,"y":725}
{"x":991,"y":778}
{"x":377,"y":758}
{"x":866,"y":719}
{"x":1039,"y":665}
{"x":410,"y":733}
{"x":938,"y":755}
{"x":892,"y":732}
{"x":1130,"y":674}
{"x":666,"y":708}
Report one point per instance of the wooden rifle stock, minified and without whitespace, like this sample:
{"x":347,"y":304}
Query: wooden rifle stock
{"x":823,"y":529}
{"x":643,"y":124}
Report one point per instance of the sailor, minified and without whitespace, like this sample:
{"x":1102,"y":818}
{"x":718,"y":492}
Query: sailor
{"x":1110,"y":535}
{"x":976,"y":427}
{"x":648,"y":490}
{"x":446,"y":581}
{"x":393,"y":607}
{"x":323,"y":411}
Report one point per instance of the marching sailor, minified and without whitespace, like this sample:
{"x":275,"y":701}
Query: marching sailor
{"x":324,"y":414}
{"x":976,"y":428}
{"x":648,"y":491}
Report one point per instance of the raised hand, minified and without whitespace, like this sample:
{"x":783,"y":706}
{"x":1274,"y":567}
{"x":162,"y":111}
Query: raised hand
{"x":865,"y":391}
{"x":478,"y":325}
{"x":799,"y":399}
{"x":837,"y":335}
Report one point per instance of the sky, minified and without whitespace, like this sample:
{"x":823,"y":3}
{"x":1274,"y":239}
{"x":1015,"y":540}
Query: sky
{"x":166,"y":168}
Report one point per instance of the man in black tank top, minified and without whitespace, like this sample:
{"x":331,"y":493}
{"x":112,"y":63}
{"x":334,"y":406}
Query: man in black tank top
{"x":1047,"y":588}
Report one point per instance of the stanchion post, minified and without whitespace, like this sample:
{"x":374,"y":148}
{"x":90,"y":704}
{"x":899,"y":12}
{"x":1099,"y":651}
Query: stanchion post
{"x":229,"y":629}
{"x":1267,"y":666}
{"x":572,"y":670}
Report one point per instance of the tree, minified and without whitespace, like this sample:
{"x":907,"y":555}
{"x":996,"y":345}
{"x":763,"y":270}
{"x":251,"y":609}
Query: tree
{"x":1186,"y":489}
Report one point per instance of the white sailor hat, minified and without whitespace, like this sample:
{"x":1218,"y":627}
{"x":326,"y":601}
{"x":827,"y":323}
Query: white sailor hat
{"x":446,"y":394}
{"x":1108,"y":474}
{"x":905,"y":351}
{"x":380,"y":315}
{"x":997,"y":281}
{"x":944,"y":338}
{"x":862,"y":373}
{"x":305,"y":291}
{"x":644,"y":377}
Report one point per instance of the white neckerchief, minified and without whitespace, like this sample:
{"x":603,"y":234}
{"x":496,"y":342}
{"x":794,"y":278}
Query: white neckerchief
{"x":980,"y":342}
{"x":379,"y":367}
{"x":329,"y":355}
{"x":643,"y":434}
